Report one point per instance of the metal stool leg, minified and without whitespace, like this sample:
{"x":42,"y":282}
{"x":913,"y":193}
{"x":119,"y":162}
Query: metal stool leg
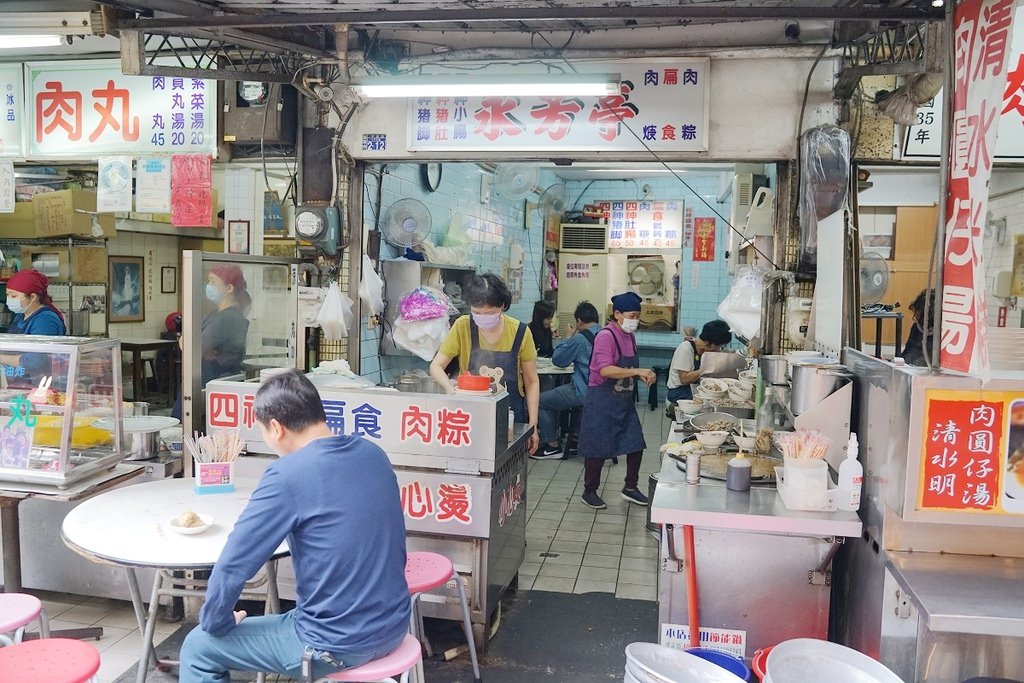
{"x":467,"y":625}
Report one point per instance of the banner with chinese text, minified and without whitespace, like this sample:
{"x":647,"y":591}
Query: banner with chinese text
{"x":968,"y":459}
{"x":661,"y":105}
{"x":981,"y":39}
{"x":10,"y":114}
{"x":89,"y":108}
{"x":923,"y":138}
{"x":643,"y":224}
{"x":704,"y":238}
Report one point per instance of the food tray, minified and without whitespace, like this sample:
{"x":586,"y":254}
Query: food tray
{"x":715,"y":466}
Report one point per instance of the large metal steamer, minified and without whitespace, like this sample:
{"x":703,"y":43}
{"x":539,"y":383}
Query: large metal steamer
{"x":934,"y":588}
{"x":461,"y":471}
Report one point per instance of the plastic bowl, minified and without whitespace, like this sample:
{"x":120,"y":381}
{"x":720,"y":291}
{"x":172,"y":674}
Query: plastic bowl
{"x":733,"y":665}
{"x":712,"y":439}
{"x":746,"y":443}
{"x":473,"y":382}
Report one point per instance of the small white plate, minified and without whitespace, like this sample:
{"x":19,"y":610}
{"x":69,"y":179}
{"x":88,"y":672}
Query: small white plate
{"x":192,"y":530}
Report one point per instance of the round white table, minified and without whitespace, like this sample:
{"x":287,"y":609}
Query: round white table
{"x":130,"y":527}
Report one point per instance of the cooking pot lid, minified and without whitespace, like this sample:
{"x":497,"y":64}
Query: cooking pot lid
{"x":137,"y":423}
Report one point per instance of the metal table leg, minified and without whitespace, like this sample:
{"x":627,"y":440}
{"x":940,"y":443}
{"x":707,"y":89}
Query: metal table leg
{"x":138,"y":606}
{"x":147,"y":636}
{"x":10,"y":531}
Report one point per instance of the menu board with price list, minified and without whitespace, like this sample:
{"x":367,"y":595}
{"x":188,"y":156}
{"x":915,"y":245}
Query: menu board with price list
{"x":973,"y":453}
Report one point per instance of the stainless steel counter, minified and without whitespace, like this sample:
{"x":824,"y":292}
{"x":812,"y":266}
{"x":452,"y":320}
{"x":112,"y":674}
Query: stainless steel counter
{"x":709,"y":505}
{"x":964,"y":593}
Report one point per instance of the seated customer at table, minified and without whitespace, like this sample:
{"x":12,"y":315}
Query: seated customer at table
{"x":575,"y":351}
{"x":685,"y":368}
{"x":336,"y":500}
{"x":918,"y":348}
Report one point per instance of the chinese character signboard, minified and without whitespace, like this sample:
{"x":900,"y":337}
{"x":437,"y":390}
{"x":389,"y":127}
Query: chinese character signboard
{"x":704,"y":239}
{"x":922,"y":139}
{"x":719,"y":639}
{"x":90,"y":108}
{"x":981,"y":39}
{"x":967,"y":462}
{"x":445,"y":503}
{"x":10,"y":111}
{"x":644,"y":224}
{"x":660,"y":105}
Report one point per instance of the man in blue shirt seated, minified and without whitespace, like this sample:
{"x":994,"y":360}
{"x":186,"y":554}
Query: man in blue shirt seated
{"x":336,"y":500}
{"x":575,"y":350}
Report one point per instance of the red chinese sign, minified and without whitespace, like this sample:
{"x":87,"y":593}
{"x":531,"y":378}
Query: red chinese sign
{"x":191,"y":193}
{"x":982,"y":31}
{"x":448,"y":503}
{"x":704,"y":239}
{"x":960,"y":466}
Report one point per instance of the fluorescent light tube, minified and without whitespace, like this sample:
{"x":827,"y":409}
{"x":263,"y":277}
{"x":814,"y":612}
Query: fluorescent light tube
{"x":8,"y":42}
{"x":540,"y":85}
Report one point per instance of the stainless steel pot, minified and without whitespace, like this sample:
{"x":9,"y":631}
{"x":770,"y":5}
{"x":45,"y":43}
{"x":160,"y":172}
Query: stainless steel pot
{"x":814,"y":382}
{"x":774,"y":369}
{"x":141,"y":445}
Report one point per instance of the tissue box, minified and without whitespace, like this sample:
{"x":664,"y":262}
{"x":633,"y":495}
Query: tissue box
{"x":215,"y":477}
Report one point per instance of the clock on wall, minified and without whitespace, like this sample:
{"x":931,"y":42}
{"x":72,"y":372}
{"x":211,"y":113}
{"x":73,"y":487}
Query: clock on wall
{"x":430,"y":174}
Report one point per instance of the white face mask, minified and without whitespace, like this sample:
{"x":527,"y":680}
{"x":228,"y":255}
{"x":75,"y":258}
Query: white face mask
{"x":14,"y":305}
{"x":630,"y":325}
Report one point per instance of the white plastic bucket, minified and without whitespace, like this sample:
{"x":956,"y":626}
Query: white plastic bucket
{"x":807,"y":660}
{"x":650,"y":663}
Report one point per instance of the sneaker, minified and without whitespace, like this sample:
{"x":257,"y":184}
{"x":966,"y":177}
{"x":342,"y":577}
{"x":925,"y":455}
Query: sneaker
{"x":592,"y":500}
{"x":547,"y":452}
{"x":634,"y":496}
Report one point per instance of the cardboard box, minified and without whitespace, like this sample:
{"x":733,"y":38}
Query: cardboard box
{"x":53,"y":262}
{"x":20,"y":224}
{"x":655,"y":317}
{"x":57,"y":214}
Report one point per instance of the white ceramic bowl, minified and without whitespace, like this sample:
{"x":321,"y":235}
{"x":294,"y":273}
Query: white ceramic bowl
{"x":748,"y":375}
{"x":739,"y":393}
{"x":746,"y":443}
{"x":714,"y":388}
{"x":687,"y":406}
{"x":192,"y":530}
{"x":712,"y":439}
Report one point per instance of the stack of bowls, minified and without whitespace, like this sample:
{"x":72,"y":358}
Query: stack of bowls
{"x":685,"y":409}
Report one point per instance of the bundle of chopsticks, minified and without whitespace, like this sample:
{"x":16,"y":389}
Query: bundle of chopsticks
{"x":808,"y":444}
{"x":217,"y":447}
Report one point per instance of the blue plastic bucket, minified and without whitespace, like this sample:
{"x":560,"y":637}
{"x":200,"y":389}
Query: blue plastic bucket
{"x":733,"y":665}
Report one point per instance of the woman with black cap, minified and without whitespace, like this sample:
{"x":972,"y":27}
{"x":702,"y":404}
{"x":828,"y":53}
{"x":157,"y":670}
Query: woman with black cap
{"x":610,"y":426}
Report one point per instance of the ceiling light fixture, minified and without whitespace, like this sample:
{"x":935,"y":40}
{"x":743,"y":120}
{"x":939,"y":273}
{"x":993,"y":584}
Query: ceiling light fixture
{"x":28,"y":41}
{"x":541,"y":85}
{"x":45,"y":23}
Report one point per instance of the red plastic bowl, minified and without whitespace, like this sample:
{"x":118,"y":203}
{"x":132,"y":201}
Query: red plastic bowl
{"x":759,"y":662}
{"x":474,"y":382}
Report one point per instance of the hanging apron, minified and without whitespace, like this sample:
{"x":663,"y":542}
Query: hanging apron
{"x":484,"y":362}
{"x":688,"y":388}
{"x":610,"y":426}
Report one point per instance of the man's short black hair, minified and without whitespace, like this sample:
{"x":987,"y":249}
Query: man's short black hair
{"x":486,"y":290}
{"x":585,"y":312}
{"x":716,"y":332}
{"x":292,"y":400}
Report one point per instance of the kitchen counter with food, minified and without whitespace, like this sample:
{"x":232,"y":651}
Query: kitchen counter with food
{"x":729,"y":555}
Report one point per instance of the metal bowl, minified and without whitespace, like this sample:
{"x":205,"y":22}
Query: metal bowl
{"x":700,"y":422}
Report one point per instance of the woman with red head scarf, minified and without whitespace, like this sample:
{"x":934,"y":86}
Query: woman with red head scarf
{"x":33,"y":309}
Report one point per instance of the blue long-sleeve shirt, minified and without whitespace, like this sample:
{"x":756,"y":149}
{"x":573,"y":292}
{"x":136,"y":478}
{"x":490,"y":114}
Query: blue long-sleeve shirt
{"x":576,"y":350}
{"x":44,"y":321}
{"x":337,"y":502}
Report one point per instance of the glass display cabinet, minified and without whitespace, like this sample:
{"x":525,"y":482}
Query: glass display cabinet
{"x":52,"y":390}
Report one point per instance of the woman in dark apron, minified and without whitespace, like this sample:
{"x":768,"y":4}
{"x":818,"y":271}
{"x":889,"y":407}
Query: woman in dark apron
{"x":488,"y":342}
{"x":610,"y":426}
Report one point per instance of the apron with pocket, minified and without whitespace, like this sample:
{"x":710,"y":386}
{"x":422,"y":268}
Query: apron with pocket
{"x":484,"y":362}
{"x":610,"y":426}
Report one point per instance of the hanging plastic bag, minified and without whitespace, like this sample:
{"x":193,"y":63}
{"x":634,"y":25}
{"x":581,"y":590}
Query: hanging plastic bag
{"x":423,"y":303}
{"x":371,"y":288}
{"x":331,"y":316}
{"x":422,"y":337}
{"x":742,"y":307}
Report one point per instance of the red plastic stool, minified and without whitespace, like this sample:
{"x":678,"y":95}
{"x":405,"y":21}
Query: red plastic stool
{"x":52,"y":660}
{"x":17,"y":610}
{"x":399,"y":662}
{"x":425,"y":572}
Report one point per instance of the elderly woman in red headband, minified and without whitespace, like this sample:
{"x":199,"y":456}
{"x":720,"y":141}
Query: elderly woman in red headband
{"x":33,"y":309}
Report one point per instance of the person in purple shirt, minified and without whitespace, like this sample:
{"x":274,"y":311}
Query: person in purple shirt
{"x":336,"y":500}
{"x":610,"y":426}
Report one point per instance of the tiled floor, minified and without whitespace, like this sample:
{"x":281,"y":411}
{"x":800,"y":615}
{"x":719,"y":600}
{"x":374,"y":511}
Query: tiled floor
{"x":573,"y":549}
{"x":569,"y":549}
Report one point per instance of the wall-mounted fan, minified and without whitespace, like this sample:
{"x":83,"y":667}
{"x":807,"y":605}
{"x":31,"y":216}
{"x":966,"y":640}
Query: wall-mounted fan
{"x":515,"y":181}
{"x":874,"y":278}
{"x":647,"y":277}
{"x":554,"y":200}
{"x":406,"y":223}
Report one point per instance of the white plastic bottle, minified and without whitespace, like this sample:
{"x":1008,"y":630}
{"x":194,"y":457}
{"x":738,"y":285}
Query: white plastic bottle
{"x":851,"y":477}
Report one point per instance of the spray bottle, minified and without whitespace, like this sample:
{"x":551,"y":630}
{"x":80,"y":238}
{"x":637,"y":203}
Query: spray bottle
{"x":851,"y":477}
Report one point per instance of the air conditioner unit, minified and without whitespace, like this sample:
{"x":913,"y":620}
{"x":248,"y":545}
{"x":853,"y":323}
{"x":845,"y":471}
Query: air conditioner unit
{"x":584,"y":238}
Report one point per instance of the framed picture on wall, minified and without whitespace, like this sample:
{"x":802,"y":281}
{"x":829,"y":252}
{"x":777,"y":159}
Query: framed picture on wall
{"x":127,"y":300}
{"x":238,"y":237}
{"x":168,"y":280}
